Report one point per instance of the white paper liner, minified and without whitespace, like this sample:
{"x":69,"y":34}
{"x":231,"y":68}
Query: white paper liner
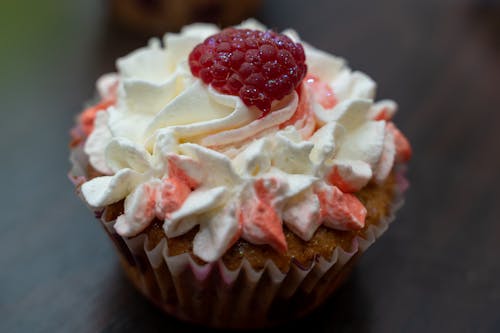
{"x":213,"y":295}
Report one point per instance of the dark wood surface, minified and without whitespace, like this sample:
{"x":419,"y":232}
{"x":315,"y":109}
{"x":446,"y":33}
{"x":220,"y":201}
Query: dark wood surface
{"x":437,"y":269}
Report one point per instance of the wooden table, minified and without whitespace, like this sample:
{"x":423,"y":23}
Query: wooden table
{"x":436,"y":270}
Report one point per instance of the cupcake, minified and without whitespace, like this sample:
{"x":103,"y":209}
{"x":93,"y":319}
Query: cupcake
{"x":240,"y":173}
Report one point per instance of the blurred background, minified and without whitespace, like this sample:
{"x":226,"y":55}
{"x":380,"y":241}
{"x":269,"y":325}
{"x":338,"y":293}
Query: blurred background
{"x":435,"y":270}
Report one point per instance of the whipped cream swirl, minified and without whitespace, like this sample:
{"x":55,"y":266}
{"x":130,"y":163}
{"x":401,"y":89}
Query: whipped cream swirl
{"x":177,"y":150}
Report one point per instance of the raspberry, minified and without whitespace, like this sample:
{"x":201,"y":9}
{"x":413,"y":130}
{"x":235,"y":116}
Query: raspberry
{"x":257,"y":66}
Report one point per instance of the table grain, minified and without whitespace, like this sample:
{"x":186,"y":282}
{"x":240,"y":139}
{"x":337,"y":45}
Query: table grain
{"x":437,"y":269}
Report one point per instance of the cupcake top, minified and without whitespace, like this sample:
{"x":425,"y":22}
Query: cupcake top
{"x":239,"y":132}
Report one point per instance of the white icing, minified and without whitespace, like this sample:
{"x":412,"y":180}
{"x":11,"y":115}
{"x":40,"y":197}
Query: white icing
{"x":364,"y":143}
{"x":386,"y":106}
{"x":217,"y":232}
{"x":302,"y":215}
{"x":137,"y":213}
{"x":105,"y":190}
{"x":166,"y":120}
{"x":200,"y":201}
{"x":356,"y":173}
{"x":96,"y":143}
{"x":386,"y":160}
{"x":105,"y":84}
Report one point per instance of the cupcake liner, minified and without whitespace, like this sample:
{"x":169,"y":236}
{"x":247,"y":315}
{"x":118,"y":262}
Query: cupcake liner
{"x":211,"y":294}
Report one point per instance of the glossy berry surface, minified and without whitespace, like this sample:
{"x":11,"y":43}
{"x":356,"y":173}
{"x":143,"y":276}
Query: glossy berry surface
{"x":257,"y":66}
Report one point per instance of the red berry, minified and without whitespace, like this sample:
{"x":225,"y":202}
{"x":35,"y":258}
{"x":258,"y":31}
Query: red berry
{"x":257,"y":66}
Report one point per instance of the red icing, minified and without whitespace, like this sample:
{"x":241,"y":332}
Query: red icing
{"x":336,"y":179}
{"x":341,"y":210}
{"x":175,"y":171}
{"x":383,"y":114}
{"x":77,"y":136}
{"x":171,"y":196}
{"x":148,"y":208}
{"x":264,"y":192}
{"x":259,"y":213}
{"x":322,"y":91}
{"x":161,"y":200}
{"x":87,"y":117}
{"x":403,"y":147}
